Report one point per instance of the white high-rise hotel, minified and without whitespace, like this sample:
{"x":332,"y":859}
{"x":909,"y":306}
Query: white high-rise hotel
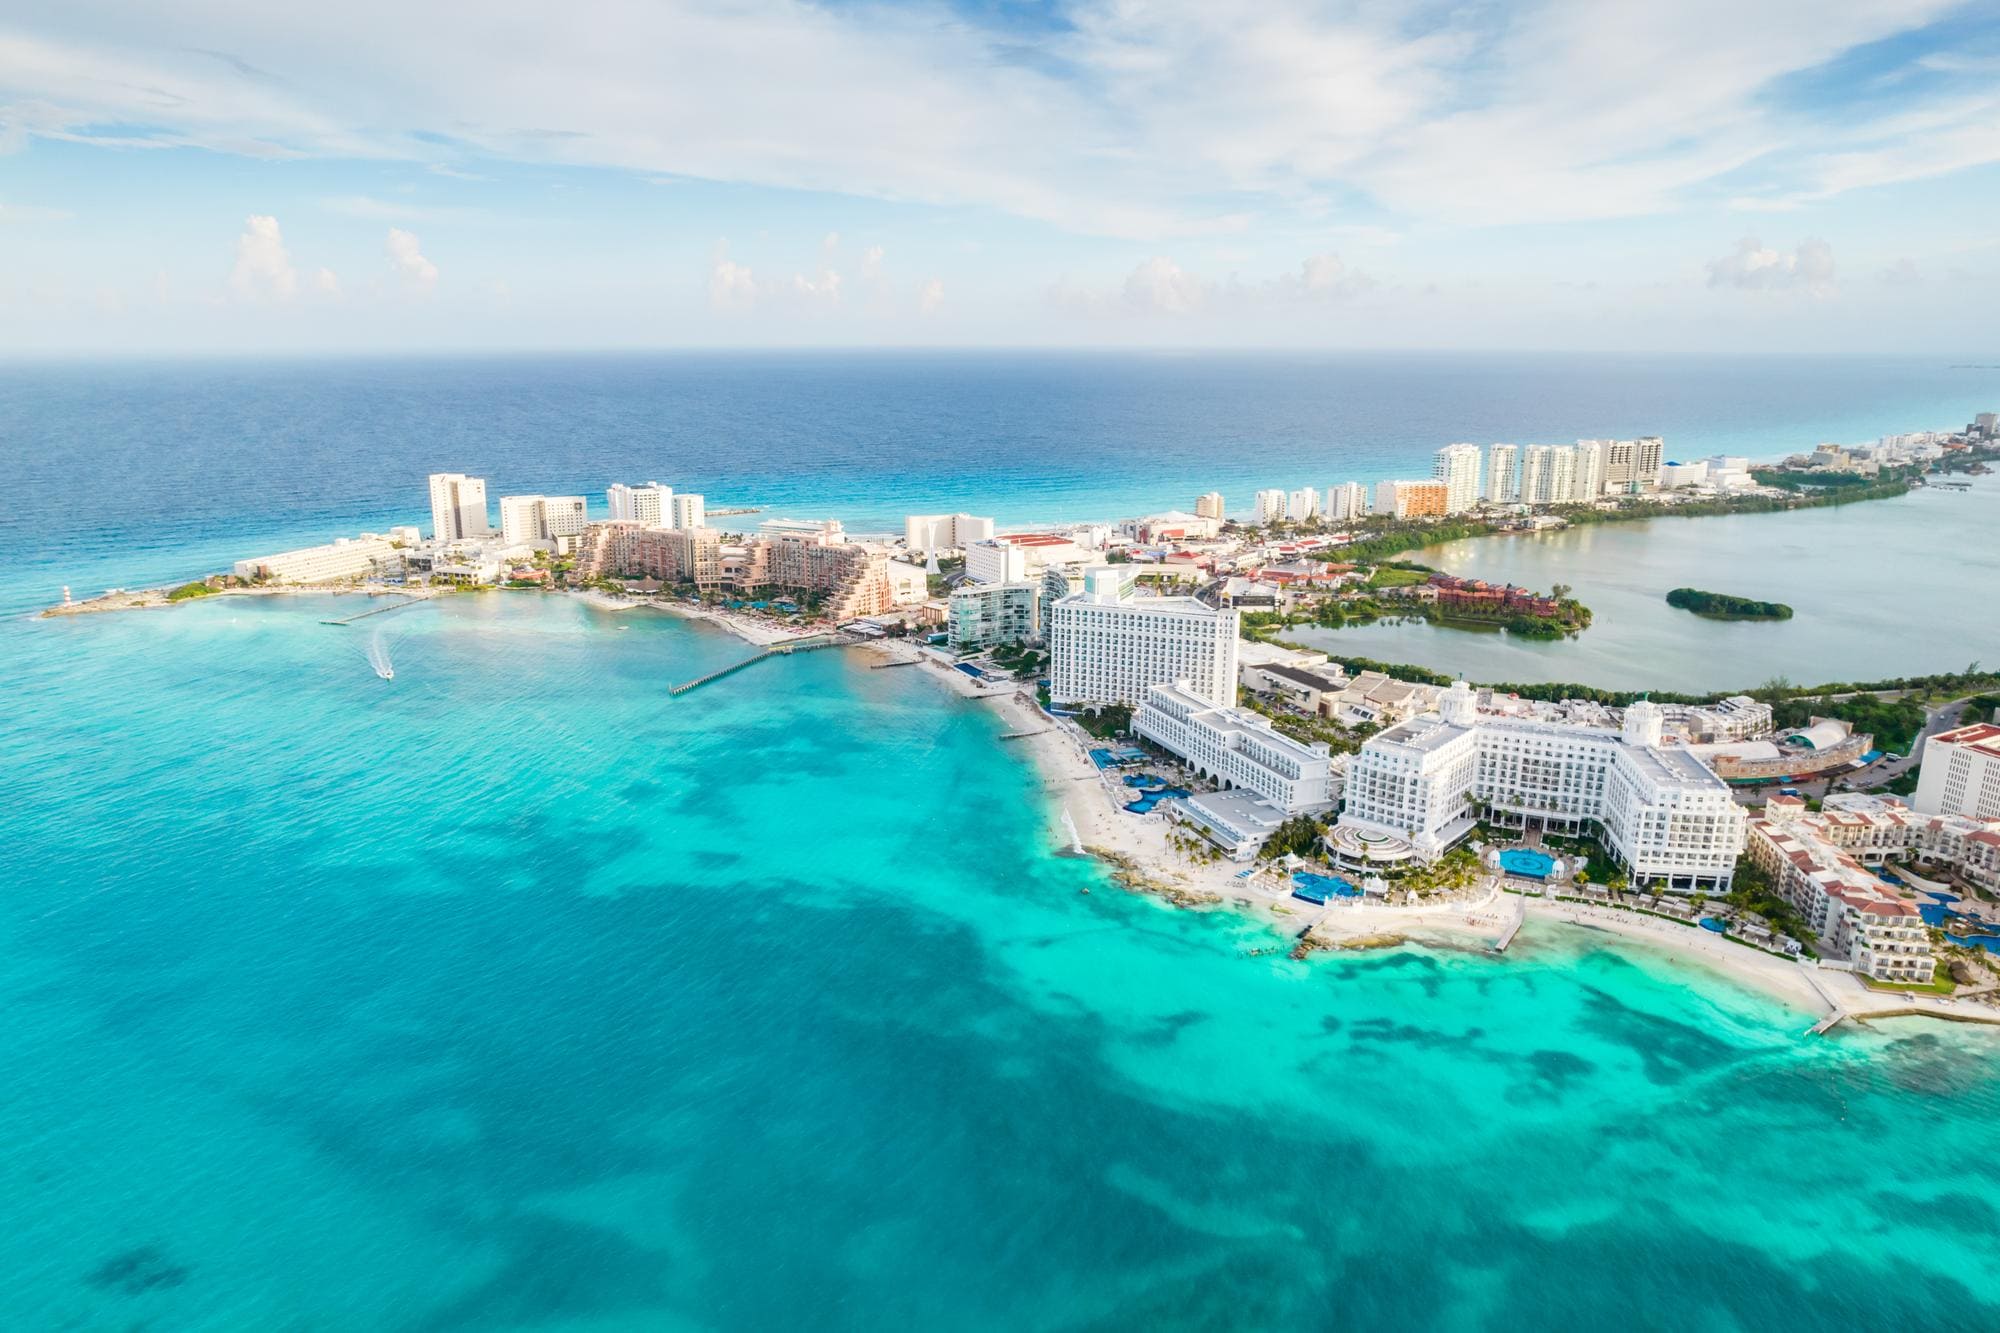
{"x":1660,"y":810}
{"x":649,"y":504}
{"x":1235,"y":747}
{"x":1458,"y":467}
{"x":458,"y":507}
{"x":1108,"y":646}
{"x":541,"y":518}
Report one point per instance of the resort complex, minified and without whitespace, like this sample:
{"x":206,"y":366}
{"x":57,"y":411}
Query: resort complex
{"x":1152,"y":645}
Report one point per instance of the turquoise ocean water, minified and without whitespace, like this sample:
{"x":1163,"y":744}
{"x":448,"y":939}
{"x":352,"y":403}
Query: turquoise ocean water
{"x":512,"y":994}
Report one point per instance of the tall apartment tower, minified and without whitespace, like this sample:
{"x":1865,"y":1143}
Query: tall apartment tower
{"x":1503,"y":474}
{"x":688,"y":512}
{"x":1593,"y":466}
{"x":1303,"y":505}
{"x":1270,"y":506}
{"x":1347,"y":502}
{"x":1209,"y":506}
{"x":1458,"y":467}
{"x":458,"y":507}
{"x":650,"y":504}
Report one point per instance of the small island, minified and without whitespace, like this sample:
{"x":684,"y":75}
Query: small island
{"x":1722,"y":606}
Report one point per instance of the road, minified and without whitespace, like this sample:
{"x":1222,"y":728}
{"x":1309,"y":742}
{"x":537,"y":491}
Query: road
{"x":1943,"y":717}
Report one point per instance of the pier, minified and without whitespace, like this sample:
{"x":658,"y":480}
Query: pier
{"x":376,"y":611}
{"x":1513,"y":928}
{"x":1839,"y":1012}
{"x":1023,"y":735}
{"x":806,"y":644}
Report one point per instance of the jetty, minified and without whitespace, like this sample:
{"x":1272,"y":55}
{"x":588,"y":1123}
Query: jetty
{"x":1838,"y":1012}
{"x":1023,"y":735}
{"x":1513,"y":928}
{"x":408,"y":600}
{"x":805,"y":644}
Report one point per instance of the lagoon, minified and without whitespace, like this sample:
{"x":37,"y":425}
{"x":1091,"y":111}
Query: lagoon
{"x":1879,"y":589}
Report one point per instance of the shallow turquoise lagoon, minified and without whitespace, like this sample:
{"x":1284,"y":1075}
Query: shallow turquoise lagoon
{"x":514,"y":994}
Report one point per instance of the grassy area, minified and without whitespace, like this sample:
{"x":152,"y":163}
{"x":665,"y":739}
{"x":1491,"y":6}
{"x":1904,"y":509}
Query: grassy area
{"x":189,"y":591}
{"x":1389,"y":576}
{"x":1944,"y":985}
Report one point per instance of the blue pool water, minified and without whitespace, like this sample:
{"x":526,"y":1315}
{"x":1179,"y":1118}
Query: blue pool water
{"x":1527,"y":862}
{"x":1715,"y":924}
{"x":1145,"y":804}
{"x":1315,"y":887}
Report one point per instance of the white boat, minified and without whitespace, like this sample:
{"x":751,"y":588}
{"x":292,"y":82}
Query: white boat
{"x":378,"y":657}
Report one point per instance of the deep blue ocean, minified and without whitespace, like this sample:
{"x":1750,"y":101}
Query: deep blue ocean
{"x":514,"y":994}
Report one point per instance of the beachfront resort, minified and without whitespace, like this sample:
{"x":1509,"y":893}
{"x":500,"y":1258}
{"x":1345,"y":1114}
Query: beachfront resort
{"x":1199,"y":748}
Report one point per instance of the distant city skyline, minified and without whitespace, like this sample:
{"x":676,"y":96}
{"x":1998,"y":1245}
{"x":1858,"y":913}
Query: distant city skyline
{"x":1780,"y":177}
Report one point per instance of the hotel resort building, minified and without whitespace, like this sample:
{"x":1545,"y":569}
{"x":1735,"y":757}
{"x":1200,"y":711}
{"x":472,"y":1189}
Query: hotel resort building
{"x":1237,"y":749}
{"x":348,"y":558}
{"x":1961,"y":772}
{"x":1856,"y":914}
{"x":1107,"y":646}
{"x":1419,"y":788}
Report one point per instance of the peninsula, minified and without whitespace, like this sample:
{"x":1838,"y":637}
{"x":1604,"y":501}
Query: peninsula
{"x":1203,"y":759}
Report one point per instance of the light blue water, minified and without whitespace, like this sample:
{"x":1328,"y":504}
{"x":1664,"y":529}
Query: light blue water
{"x":512,"y":993}
{"x":1524,"y":861}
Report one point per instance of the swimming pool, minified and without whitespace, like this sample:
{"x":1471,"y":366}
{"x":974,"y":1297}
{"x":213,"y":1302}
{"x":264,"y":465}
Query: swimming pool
{"x":1715,"y":924}
{"x":1527,"y":863}
{"x":1144,"y":805}
{"x":1313,"y":888}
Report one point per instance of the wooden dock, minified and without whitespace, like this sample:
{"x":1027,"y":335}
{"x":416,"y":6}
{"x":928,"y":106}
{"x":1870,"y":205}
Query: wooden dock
{"x":1513,"y":929}
{"x":807,"y":644}
{"x":884,"y":666}
{"x":375,"y":611}
{"x":1023,"y":735}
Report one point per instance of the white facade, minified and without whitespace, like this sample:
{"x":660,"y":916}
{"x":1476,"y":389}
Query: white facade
{"x":1018,"y":557}
{"x":1107,"y":646}
{"x":650,"y":504}
{"x":527,"y":519}
{"x":1302,"y":505}
{"x":1270,"y":506}
{"x":1458,"y":467}
{"x":1660,"y":811}
{"x":1503,"y":474}
{"x":1210,"y":505}
{"x":1675,"y":476}
{"x":347,"y":558}
{"x":1236,"y":748}
{"x":924,"y":533}
{"x":687,"y":512}
{"x":1347,"y":501}
{"x":458,"y":507}
{"x":1961,"y":773}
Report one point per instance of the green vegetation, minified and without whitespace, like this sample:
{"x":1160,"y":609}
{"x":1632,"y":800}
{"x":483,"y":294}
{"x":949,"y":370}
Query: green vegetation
{"x":1750,"y":890}
{"x":1297,"y":836}
{"x":1724,"y":606}
{"x":1456,"y":869}
{"x":1388,"y":537}
{"x":1398,"y":576}
{"x":1941,"y":984}
{"x":1107,"y":722}
{"x":189,"y":591}
{"x":1894,"y":722}
{"x":1338,"y":739}
{"x":1020,"y":659}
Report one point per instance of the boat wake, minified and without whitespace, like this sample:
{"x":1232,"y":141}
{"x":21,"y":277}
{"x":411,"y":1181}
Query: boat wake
{"x":378,"y":657}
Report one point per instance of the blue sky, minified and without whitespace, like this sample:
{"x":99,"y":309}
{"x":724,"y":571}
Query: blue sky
{"x":1784,"y":175}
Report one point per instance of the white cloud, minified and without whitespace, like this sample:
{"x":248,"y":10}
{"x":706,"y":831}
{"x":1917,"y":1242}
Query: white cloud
{"x":1161,"y":286}
{"x":407,"y":259}
{"x":1752,"y":266}
{"x":732,"y":287}
{"x":1158,"y":120}
{"x":326,"y":283}
{"x":930,"y":297}
{"x":263,"y":269}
